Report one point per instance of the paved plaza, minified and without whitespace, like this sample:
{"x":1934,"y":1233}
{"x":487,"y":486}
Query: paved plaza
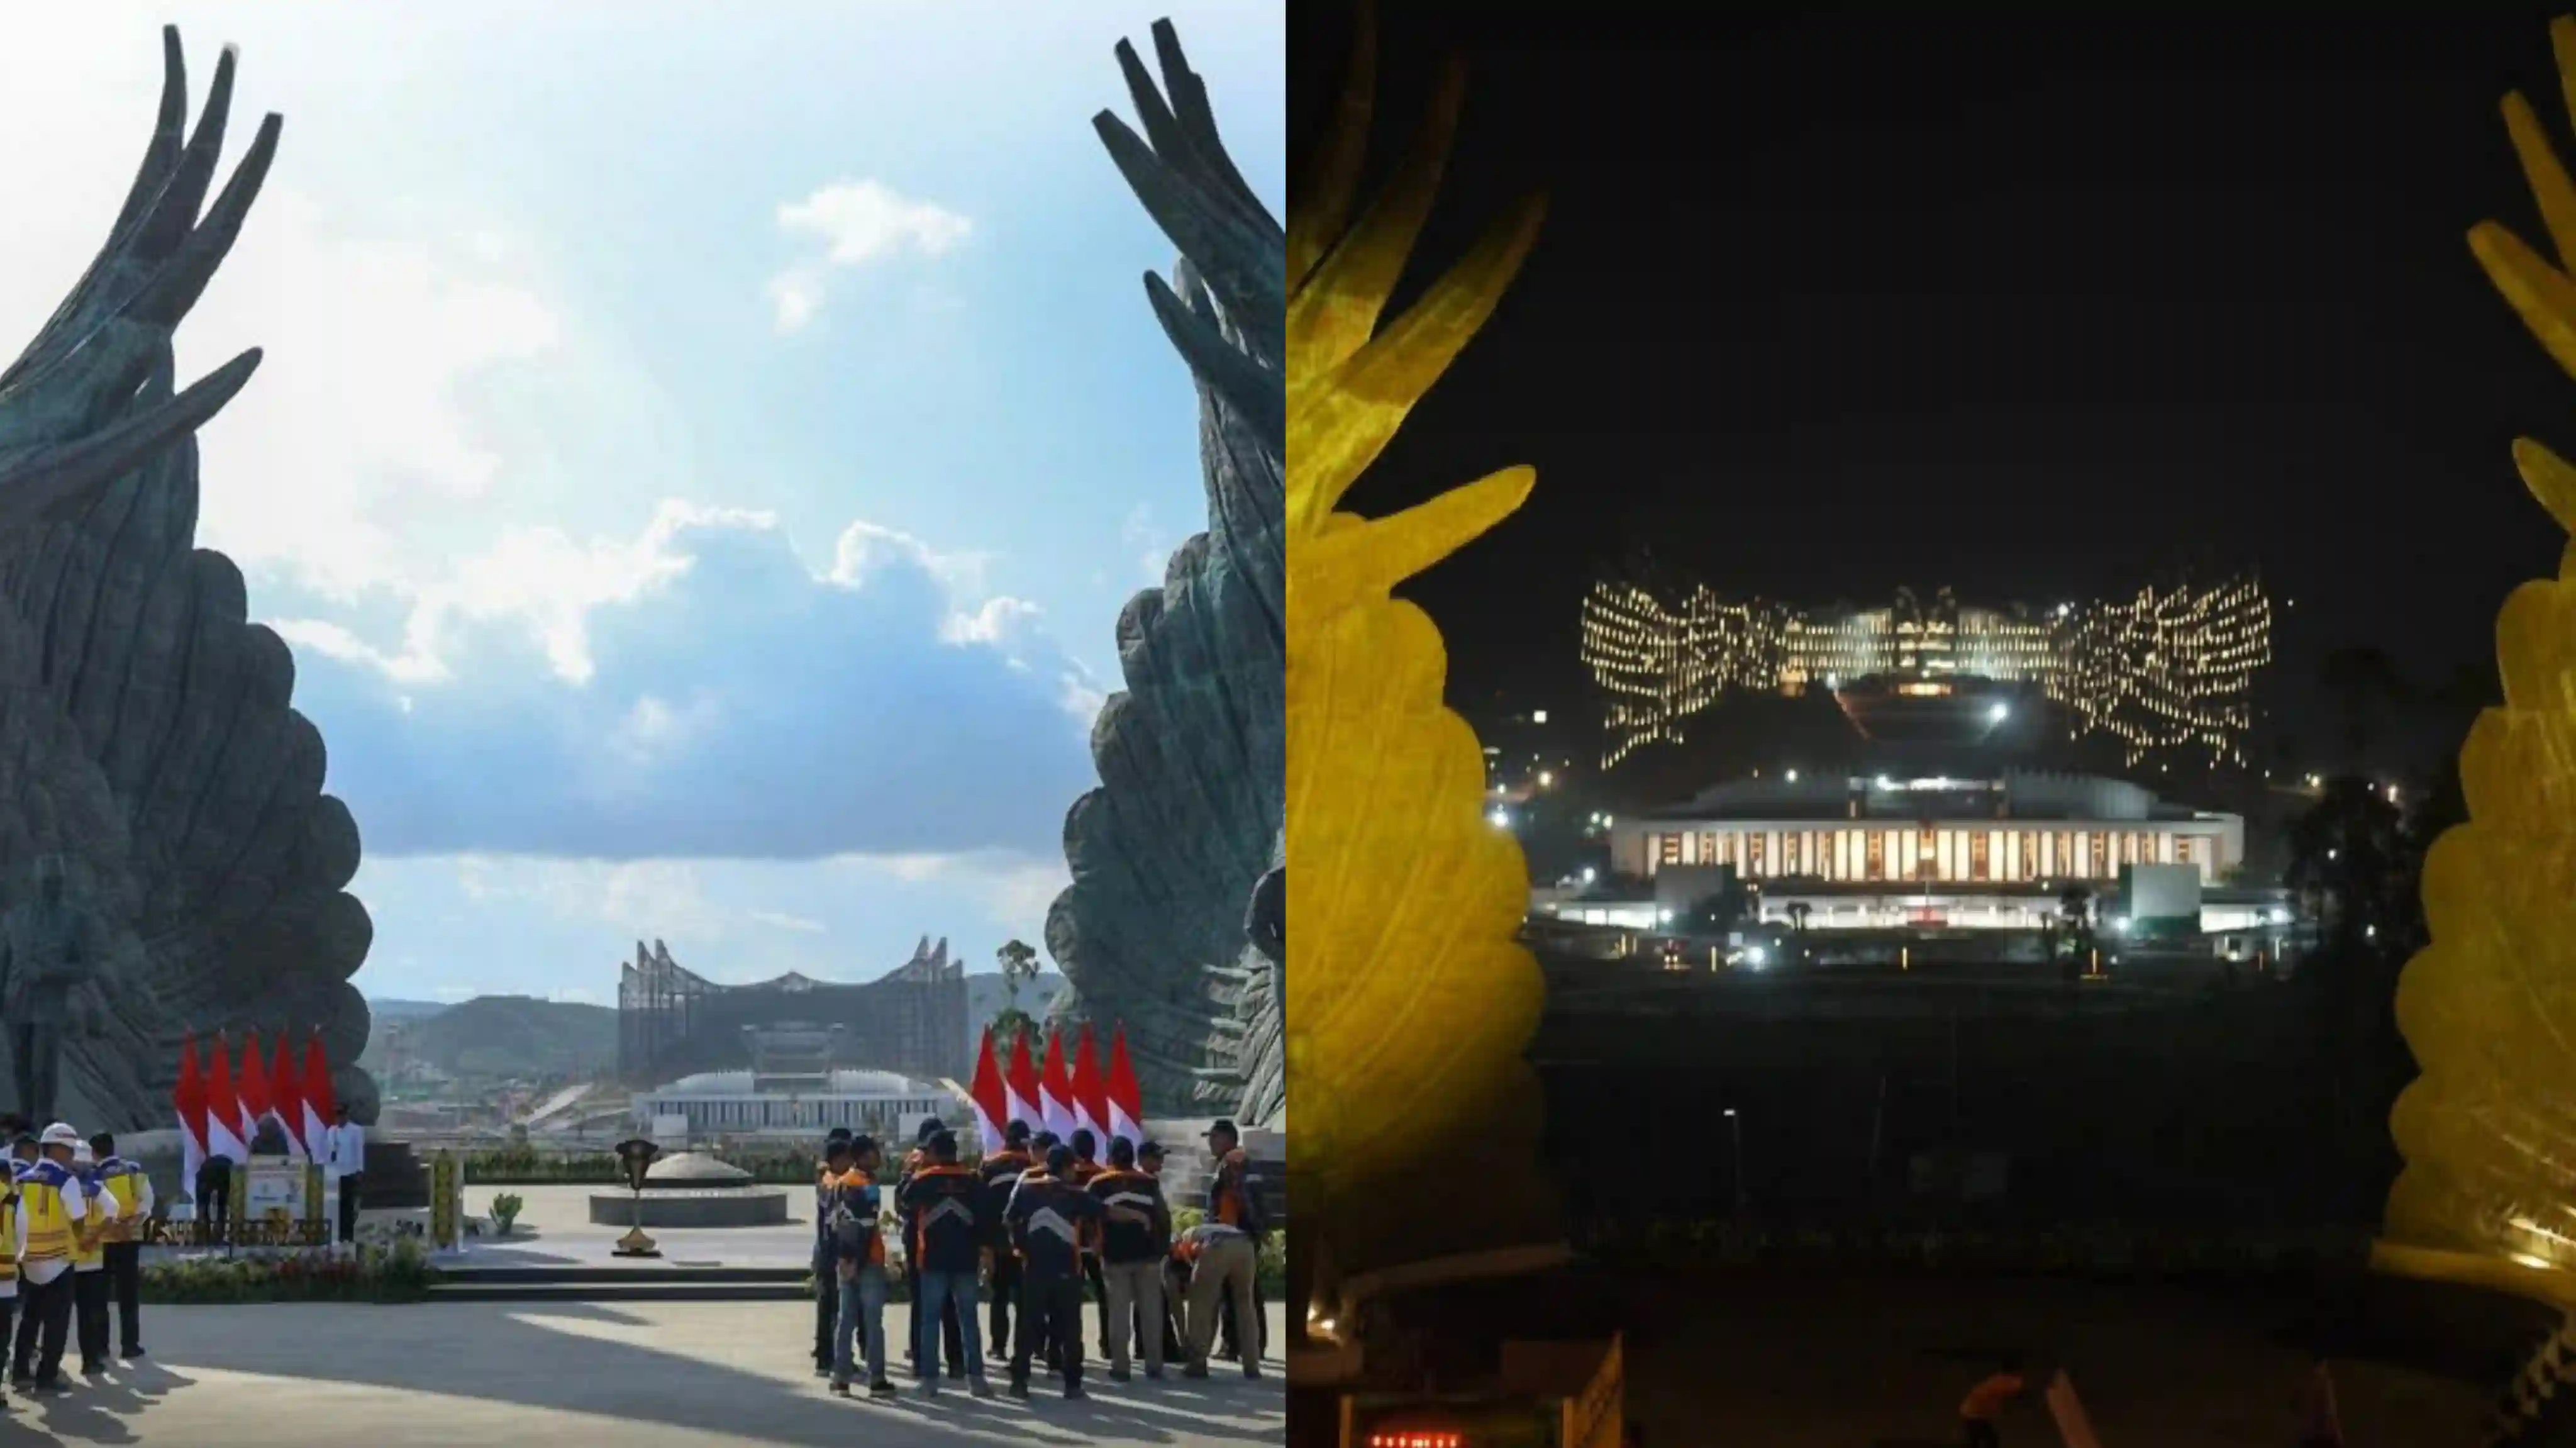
{"x":638,"y":1374}
{"x":641,"y":1375}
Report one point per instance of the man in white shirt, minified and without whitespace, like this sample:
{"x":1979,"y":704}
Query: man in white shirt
{"x":345,"y":1146}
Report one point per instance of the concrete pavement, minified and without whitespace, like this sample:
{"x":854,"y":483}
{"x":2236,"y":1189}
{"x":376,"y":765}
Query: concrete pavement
{"x":641,"y":1375}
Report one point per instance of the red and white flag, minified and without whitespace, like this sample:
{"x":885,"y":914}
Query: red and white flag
{"x":190,"y":1100}
{"x":286,"y":1095}
{"x":1090,"y":1090}
{"x":1055,"y":1089}
{"x":1126,"y":1098}
{"x":319,"y":1103}
{"x":1022,"y":1083}
{"x":991,"y":1100}
{"x":252,"y":1087}
{"x":223,"y":1110}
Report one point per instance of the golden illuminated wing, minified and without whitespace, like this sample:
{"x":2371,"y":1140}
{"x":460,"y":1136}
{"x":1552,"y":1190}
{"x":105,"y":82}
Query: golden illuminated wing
{"x":1410,"y":1003}
{"x":2488,"y":1131}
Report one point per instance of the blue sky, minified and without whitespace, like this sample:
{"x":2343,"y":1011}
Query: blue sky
{"x":698,"y":462}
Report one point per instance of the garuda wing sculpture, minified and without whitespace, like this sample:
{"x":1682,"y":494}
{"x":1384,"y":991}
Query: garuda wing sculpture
{"x":1158,"y":928}
{"x":145,"y":736}
{"x":1411,"y":1001}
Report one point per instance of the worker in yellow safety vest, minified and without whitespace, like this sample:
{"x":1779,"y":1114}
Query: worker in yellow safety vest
{"x":129,"y":1191}
{"x":89,"y":1264}
{"x":54,"y":1207}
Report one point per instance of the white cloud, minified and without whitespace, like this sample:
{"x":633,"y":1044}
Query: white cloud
{"x":1154,"y":545}
{"x":713,"y":699}
{"x":797,"y":923}
{"x":857,"y":222}
{"x":1014,"y":889}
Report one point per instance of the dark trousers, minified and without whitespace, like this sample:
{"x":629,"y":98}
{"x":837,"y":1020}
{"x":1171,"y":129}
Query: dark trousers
{"x":22,"y":1349}
{"x":349,"y":1190}
{"x":1006,"y":1292}
{"x":214,"y":1200}
{"x":1050,"y":1316}
{"x":1099,"y":1293}
{"x":1980,"y":1433}
{"x":8,"y":1318}
{"x":125,"y":1284}
{"x":89,"y":1304}
{"x":952,"y":1333}
{"x":827,"y":1306}
{"x":45,"y":1328}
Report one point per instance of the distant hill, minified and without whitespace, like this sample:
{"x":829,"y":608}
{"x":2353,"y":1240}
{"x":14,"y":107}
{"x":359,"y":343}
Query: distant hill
{"x":508,"y":1036}
{"x":525,"y":1036}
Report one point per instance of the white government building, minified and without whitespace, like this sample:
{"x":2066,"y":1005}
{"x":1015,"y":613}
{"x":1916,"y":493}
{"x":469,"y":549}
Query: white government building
{"x":741,"y":1103}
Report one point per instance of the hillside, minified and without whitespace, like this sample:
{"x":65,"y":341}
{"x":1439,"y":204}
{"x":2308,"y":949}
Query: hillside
{"x":524,"y":1036}
{"x":506,"y":1036}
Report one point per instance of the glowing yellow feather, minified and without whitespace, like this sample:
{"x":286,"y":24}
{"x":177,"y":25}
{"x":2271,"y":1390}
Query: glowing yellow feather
{"x":1409,"y":1002}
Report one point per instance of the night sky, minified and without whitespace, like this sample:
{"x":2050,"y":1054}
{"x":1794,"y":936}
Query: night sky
{"x":2034,"y":307}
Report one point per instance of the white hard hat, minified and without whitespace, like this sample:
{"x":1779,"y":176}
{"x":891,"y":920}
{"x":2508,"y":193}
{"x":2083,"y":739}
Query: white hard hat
{"x":81,"y":1154}
{"x":60,"y":1134}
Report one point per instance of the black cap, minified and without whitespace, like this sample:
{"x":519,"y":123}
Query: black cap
{"x":862,"y":1144}
{"x":1150,"y":1151}
{"x":1016,"y":1134}
{"x":1226,"y":1125}
{"x":930,"y":1126}
{"x":837,"y":1148}
{"x":943,"y":1145}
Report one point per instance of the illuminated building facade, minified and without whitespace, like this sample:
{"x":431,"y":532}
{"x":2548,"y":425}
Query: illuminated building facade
{"x":2018,"y":829}
{"x":2165,"y":669}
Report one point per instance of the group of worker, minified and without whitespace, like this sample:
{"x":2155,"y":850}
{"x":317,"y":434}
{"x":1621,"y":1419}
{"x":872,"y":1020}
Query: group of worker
{"x":1033,"y":1221}
{"x":71,"y":1239}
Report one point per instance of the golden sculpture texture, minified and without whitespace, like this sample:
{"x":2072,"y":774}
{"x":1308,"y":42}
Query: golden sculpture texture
{"x":2488,"y":1131}
{"x":1410,"y":1003}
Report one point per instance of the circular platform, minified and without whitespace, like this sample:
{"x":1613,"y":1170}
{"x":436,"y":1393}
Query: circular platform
{"x":732,"y":1206}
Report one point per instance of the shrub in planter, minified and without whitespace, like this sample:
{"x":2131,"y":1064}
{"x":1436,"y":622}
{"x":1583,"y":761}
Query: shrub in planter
{"x":505,"y":1210}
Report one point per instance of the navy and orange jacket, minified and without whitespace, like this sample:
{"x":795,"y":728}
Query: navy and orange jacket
{"x":1001,"y":1171}
{"x":1049,"y":1222}
{"x":942,"y":1207}
{"x":855,"y":1191}
{"x":1230,"y":1197}
{"x":1124,"y":1241}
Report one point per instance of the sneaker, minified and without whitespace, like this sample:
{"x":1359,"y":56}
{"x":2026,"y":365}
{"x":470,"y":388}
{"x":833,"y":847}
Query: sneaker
{"x":132,"y":1352}
{"x":841,"y":1386}
{"x":981,"y":1388}
{"x":1020,"y":1388}
{"x":1118,"y":1375}
{"x":881,"y":1389}
{"x":1252,"y":1371}
{"x":1195,"y":1370}
{"x":1073,"y":1392}
{"x":92,"y":1370}
{"x":1154,"y":1373}
{"x":822,"y":1370}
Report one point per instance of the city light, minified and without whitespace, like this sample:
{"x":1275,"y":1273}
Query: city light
{"x":1545,"y":779}
{"x":2280,"y":915}
{"x":1753,"y":956}
{"x":1588,"y":874}
{"x":1663,"y":917}
{"x":2119,"y":925}
{"x":1793,"y":776}
{"x":1538,"y":716}
{"x":1502,"y":818}
{"x":2163,"y":669}
{"x":1999,"y":713}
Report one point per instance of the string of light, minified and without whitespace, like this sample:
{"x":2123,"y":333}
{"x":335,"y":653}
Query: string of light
{"x":2166,"y":669}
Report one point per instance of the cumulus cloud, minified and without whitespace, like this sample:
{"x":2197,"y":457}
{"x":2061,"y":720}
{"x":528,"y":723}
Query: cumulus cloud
{"x":856,"y":222}
{"x":728,"y":704}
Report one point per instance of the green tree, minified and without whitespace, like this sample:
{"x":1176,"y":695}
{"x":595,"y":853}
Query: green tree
{"x":1019,"y":966}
